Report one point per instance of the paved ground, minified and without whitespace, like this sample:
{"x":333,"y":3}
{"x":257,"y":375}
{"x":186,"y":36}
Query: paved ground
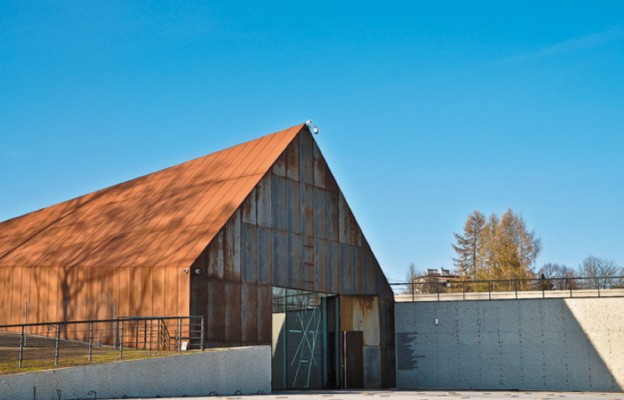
{"x":425,"y":395}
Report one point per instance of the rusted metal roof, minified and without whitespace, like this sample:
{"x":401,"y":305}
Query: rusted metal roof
{"x":162,"y":219}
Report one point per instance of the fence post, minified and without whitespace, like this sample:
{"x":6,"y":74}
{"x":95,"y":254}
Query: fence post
{"x":489,"y":290}
{"x":115,"y":323}
{"x":463,"y":290}
{"x":57,"y":345}
{"x":202,"y":333}
{"x":159,"y":333}
{"x":516,"y":288}
{"x":121,"y":334}
{"x":150,"y":336}
{"x":413,"y":290}
{"x":136,"y":335}
{"x":177,"y":344}
{"x":569,"y":286}
{"x":91,"y":341}
{"x":21,"y":350}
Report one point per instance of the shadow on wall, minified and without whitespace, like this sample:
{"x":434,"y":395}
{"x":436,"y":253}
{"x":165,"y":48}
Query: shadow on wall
{"x":555,"y":344}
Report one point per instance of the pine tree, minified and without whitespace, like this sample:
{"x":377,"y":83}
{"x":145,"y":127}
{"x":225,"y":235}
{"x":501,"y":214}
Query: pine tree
{"x":468,"y":247}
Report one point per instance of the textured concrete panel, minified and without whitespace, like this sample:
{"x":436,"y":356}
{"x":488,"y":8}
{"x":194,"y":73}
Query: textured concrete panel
{"x":551,"y":344}
{"x":198,"y":374}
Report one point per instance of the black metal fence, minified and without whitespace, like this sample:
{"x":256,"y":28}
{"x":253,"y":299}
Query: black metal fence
{"x":436,"y":288}
{"x":79,"y":342}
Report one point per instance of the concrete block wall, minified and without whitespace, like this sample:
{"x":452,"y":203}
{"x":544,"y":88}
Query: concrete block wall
{"x":552,"y":344}
{"x":243,"y":370}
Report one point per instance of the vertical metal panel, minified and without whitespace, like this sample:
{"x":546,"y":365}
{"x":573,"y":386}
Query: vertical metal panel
{"x":265,"y":255}
{"x":248,"y":208}
{"x":334,"y":272}
{"x":293,"y":196}
{"x":158,"y":290}
{"x":361,"y":313}
{"x":369,"y":264}
{"x":346,"y":272}
{"x":292,"y":159}
{"x":344,"y":222}
{"x":214,"y":254}
{"x":232,"y":300}
{"x":279,"y":168}
{"x":307,"y":263}
{"x":249,"y":264}
{"x":216,"y":310}
{"x":356,"y":232}
{"x":358,"y":271}
{"x":183,"y":295}
{"x":320,"y":168}
{"x":307,"y":210}
{"x":280,"y":258}
{"x":263,"y":202}
{"x":294,"y":260}
{"x":333,"y":216}
{"x":198,"y":292}
{"x":170,"y":292}
{"x":232,"y":248}
{"x":320,"y":213}
{"x":278,"y":202}
{"x":249,"y":313}
{"x":321,"y":260}
{"x":306,"y":158}
{"x":264,"y":314}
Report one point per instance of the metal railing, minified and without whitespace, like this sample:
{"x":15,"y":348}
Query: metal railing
{"x":448,"y":289}
{"x":80,"y":342}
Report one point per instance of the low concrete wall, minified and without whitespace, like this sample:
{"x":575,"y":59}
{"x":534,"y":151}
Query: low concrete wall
{"x":551,"y":344}
{"x":220,"y":371}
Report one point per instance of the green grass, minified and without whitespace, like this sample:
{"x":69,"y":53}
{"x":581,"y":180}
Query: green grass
{"x":36,"y":362}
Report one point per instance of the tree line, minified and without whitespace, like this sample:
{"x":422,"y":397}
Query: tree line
{"x":500,"y":248}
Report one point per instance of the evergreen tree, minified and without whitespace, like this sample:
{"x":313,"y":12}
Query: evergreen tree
{"x":468,"y":247}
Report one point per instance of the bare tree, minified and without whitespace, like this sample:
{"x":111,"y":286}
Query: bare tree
{"x":410,"y":277}
{"x":599,"y":272}
{"x":561,"y":277}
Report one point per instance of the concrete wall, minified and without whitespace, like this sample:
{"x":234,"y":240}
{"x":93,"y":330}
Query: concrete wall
{"x":220,"y":371}
{"x":552,"y":344}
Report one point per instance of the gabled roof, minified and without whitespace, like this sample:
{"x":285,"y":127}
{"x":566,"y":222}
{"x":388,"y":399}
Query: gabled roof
{"x":162,"y":219}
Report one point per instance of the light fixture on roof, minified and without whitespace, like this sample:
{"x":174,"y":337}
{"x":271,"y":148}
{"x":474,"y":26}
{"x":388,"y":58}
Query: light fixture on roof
{"x":313,"y":128}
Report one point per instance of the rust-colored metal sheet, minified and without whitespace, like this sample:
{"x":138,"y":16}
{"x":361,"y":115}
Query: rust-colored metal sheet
{"x":162,"y":219}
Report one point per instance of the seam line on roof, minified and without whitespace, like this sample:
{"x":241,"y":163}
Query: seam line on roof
{"x":245,"y":152}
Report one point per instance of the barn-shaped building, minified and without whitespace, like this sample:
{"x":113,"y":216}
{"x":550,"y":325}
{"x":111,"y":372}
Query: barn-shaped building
{"x":258,"y":238}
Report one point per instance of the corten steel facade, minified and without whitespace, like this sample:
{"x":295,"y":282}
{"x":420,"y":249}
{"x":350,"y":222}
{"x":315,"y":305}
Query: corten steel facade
{"x":211,"y":236}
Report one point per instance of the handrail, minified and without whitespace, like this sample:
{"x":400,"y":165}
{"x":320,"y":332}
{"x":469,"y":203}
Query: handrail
{"x":449,"y":285}
{"x":112,"y":333}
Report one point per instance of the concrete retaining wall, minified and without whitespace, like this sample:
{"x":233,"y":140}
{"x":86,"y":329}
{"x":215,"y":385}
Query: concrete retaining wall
{"x":552,"y":344}
{"x":220,"y":371}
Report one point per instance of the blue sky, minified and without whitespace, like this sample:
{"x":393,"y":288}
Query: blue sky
{"x":427,"y":110}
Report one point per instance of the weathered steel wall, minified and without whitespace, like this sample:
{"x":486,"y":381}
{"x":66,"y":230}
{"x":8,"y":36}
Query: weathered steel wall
{"x":294,"y":230}
{"x":48,"y":294}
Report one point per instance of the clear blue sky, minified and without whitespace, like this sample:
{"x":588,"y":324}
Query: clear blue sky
{"x":427,"y":110}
